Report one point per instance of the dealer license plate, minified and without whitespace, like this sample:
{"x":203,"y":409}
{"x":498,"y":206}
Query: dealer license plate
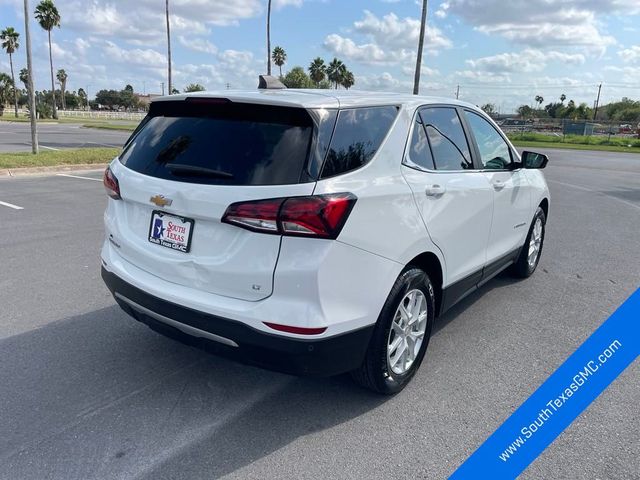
{"x":171,"y":231}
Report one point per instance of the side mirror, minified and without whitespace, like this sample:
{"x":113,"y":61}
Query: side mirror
{"x":534,"y":160}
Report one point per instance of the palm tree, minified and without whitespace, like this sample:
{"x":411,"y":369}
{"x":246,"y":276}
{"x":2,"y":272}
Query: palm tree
{"x":563,"y":97}
{"x":48,"y":17}
{"x":194,"y":87}
{"x":6,"y":88}
{"x":423,"y":26}
{"x":348,"y":80}
{"x":342,"y":73}
{"x":335,"y":71}
{"x":279,"y":57}
{"x":317,"y":70}
{"x":62,"y":80}
{"x":10,"y":44}
{"x":24,"y":77}
{"x":82,"y":95}
{"x":168,"y":45}
{"x":539,"y":100}
{"x":269,"y":38}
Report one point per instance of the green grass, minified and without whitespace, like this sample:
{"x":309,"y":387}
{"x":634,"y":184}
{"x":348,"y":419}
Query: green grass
{"x":85,"y":122}
{"x":576,"y":142}
{"x":62,"y":157}
{"x":112,"y":126}
{"x":22,"y":119}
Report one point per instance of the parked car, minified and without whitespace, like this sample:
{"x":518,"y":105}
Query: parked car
{"x":316,"y":232}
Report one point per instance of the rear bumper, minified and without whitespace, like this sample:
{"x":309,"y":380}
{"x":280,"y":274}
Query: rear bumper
{"x":315,"y":357}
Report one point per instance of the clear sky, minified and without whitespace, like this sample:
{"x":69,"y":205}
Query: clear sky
{"x":500,"y":51}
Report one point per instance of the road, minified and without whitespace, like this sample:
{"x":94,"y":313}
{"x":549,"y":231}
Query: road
{"x":16,"y":136}
{"x":88,"y":393}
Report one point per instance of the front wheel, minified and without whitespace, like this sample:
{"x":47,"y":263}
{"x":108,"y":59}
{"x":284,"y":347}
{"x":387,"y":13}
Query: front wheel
{"x":401,"y":336}
{"x":532,"y":249}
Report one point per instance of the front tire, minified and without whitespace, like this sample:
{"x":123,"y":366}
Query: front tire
{"x":401,"y":336}
{"x":532,"y":249}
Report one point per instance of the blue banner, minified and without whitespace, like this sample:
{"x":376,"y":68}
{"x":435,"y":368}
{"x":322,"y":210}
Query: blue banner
{"x":560,"y":399}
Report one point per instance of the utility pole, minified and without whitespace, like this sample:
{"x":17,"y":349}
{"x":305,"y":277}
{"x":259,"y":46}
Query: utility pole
{"x":423,"y":24}
{"x":162,"y":88}
{"x":458,"y":92}
{"x":595,"y":110}
{"x":269,"y":38}
{"x":168,"y":47}
{"x":31,"y":92}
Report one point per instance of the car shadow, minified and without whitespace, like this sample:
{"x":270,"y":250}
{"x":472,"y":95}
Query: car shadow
{"x":503,"y":279}
{"x":101,"y":396}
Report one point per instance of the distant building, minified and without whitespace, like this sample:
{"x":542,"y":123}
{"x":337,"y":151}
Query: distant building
{"x":145,"y":99}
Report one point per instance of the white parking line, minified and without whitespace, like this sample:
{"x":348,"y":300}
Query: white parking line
{"x":50,"y":148}
{"x":11,"y":205}
{"x":77,"y":176}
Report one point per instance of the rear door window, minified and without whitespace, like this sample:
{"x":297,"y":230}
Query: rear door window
{"x":218,"y":142}
{"x":447,"y":139}
{"x":419,"y":151}
{"x":358,"y":134}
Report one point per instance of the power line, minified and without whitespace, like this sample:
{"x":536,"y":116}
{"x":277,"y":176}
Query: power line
{"x":544,"y":86}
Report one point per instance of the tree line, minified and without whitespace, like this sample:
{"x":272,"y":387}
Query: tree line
{"x":626,"y":110}
{"x":320,"y":74}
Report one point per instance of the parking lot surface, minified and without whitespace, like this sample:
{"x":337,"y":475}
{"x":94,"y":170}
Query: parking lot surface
{"x":88,"y":393}
{"x":16,"y":137}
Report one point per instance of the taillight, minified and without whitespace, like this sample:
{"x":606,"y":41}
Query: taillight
{"x":111,"y":184}
{"x":319,"y":216}
{"x":260,"y":216}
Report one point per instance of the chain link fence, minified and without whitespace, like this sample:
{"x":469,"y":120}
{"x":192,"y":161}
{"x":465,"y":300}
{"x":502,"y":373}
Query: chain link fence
{"x":572,"y":131}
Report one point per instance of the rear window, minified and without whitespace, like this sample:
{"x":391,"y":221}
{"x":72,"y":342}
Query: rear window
{"x":357,"y":137}
{"x":223,"y":143}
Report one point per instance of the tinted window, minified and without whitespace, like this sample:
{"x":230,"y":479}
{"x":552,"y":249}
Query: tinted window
{"x":494,"y":151}
{"x":324,"y":120}
{"x":357,"y":137}
{"x":222,"y":143}
{"x":419,"y":151}
{"x":446,"y":138}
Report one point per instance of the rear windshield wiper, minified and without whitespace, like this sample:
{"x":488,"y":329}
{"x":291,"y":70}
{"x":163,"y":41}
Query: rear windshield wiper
{"x":196,"y":171}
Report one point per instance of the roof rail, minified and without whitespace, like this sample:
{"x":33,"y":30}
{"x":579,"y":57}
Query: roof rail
{"x":268,"y":82}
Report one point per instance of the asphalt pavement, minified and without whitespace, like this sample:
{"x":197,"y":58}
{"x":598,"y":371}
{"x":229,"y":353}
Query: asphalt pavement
{"x":88,"y":393}
{"x":16,"y":136}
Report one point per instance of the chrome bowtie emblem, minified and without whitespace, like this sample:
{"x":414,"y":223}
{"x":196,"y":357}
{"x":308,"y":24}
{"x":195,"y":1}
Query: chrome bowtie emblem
{"x":161,"y":201}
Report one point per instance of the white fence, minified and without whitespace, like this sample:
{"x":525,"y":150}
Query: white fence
{"x":103,"y":115}
{"x":133,"y":116}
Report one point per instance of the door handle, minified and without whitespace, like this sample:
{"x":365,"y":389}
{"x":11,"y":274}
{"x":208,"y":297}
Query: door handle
{"x":435,"y":190}
{"x":498,"y":185}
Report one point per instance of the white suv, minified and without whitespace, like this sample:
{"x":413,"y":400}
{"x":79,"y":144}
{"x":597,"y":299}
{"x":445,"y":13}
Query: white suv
{"x":316,"y":232}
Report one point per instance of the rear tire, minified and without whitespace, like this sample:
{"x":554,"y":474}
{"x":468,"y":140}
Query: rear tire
{"x":405,"y":322}
{"x":526,"y":264}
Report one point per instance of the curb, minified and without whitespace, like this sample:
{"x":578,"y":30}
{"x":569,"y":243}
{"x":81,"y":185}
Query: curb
{"x":21,"y":172}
